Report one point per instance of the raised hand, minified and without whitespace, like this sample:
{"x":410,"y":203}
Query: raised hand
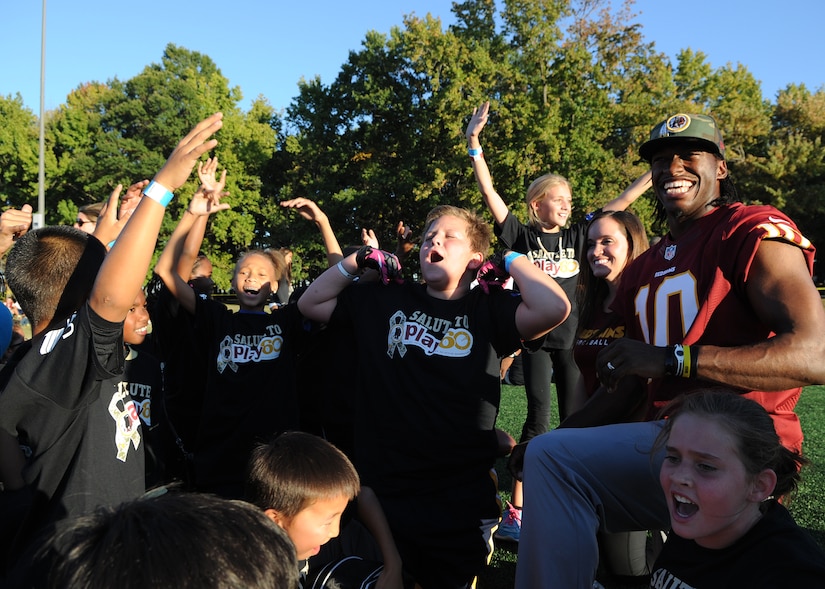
{"x":406,"y":242}
{"x":207,"y":202}
{"x":492,"y":274}
{"x":109,"y":226}
{"x":478,"y":121}
{"x":14,"y":223}
{"x":387,"y":264}
{"x":131,"y":199}
{"x":183,"y":158}
{"x":206,"y":174}
{"x":368,"y":238}
{"x":306,"y":208}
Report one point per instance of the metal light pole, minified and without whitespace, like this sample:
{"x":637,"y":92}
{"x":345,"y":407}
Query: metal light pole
{"x":39,"y":218}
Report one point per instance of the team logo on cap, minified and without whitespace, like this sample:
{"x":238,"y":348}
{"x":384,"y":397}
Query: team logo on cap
{"x":678,"y":123}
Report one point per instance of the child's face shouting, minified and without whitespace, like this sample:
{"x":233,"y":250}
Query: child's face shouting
{"x":254,"y":277}
{"x":712,"y":499}
{"x":446,"y":253}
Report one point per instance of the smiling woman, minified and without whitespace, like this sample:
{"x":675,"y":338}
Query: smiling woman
{"x":614,"y":239}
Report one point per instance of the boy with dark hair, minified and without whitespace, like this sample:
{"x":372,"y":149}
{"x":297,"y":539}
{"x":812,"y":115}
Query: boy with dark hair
{"x":168,"y":539}
{"x":62,"y":399}
{"x":304,"y":484}
{"x":297,"y":469}
{"x":51,"y":272}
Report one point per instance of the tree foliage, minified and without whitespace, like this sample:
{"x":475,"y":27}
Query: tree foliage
{"x":19,"y":147}
{"x":574,"y":89}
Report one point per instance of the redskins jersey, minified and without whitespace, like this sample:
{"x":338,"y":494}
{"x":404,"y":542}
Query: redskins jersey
{"x":604,"y":329}
{"x":691,"y":290}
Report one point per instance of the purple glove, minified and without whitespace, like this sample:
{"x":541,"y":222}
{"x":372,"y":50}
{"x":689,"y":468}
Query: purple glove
{"x":387,"y":264}
{"x":491,"y":274}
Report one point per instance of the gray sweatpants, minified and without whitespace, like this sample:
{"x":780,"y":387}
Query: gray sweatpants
{"x":579,"y":481}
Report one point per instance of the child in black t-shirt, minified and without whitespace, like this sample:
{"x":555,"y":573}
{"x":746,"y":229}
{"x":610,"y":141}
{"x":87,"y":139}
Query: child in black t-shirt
{"x":305,"y":484}
{"x":250,"y":391}
{"x":429,"y":384}
{"x":142,"y":376}
{"x":177,"y":347}
{"x":723,"y":474}
{"x":84,"y":436}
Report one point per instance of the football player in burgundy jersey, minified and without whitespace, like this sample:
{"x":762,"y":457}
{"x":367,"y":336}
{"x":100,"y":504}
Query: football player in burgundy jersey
{"x":725,"y":299}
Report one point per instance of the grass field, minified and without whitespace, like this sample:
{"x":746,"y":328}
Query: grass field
{"x":807,"y":506}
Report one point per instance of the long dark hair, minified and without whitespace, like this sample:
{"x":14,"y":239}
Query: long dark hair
{"x":591,"y":291}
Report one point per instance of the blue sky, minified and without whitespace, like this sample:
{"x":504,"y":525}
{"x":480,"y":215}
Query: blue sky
{"x":266,"y":46}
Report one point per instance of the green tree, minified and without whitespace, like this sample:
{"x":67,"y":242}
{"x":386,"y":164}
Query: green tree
{"x":85,"y":153}
{"x":122,"y":132}
{"x":380,"y":143}
{"x":385,"y":140}
{"x":788,"y":169}
{"x":19,"y":147}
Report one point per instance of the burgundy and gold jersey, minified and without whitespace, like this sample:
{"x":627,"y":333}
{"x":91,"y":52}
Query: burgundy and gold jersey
{"x":691,"y":290}
{"x":604,"y":329}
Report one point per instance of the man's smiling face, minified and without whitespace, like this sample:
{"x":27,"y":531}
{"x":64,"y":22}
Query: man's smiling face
{"x":686,"y":180}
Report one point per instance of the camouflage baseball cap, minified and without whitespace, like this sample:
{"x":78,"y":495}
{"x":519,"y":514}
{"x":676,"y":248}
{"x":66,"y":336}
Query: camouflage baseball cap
{"x":701,"y":129}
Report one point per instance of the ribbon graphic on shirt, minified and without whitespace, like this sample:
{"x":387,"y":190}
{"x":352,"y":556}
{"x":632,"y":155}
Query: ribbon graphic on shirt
{"x":395,"y":339}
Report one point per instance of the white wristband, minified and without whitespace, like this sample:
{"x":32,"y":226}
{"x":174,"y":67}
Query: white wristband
{"x":475,"y":154}
{"x":158,"y":193}
{"x":344,"y":272}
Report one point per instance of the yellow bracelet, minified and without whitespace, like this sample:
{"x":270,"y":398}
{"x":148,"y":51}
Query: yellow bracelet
{"x":686,"y":365}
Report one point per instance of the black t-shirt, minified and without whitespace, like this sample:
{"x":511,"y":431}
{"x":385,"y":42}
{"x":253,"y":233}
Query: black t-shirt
{"x":560,"y":255}
{"x":184,"y":357}
{"x":250,"y":389}
{"x":143,"y":377}
{"x":66,"y":401}
{"x":428,"y":378}
{"x":774,"y":553}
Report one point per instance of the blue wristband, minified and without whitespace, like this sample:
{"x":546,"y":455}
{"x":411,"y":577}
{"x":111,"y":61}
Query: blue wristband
{"x":158,"y":193}
{"x":475,"y":154}
{"x":508,"y":260}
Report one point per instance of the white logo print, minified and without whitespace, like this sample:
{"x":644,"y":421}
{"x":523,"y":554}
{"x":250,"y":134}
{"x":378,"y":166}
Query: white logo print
{"x":232,"y":353}
{"x":456,"y":342}
{"x":55,"y":335}
{"x":127,"y":421}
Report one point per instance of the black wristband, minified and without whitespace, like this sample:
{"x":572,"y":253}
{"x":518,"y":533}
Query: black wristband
{"x":670,"y":361}
{"x":681,"y":361}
